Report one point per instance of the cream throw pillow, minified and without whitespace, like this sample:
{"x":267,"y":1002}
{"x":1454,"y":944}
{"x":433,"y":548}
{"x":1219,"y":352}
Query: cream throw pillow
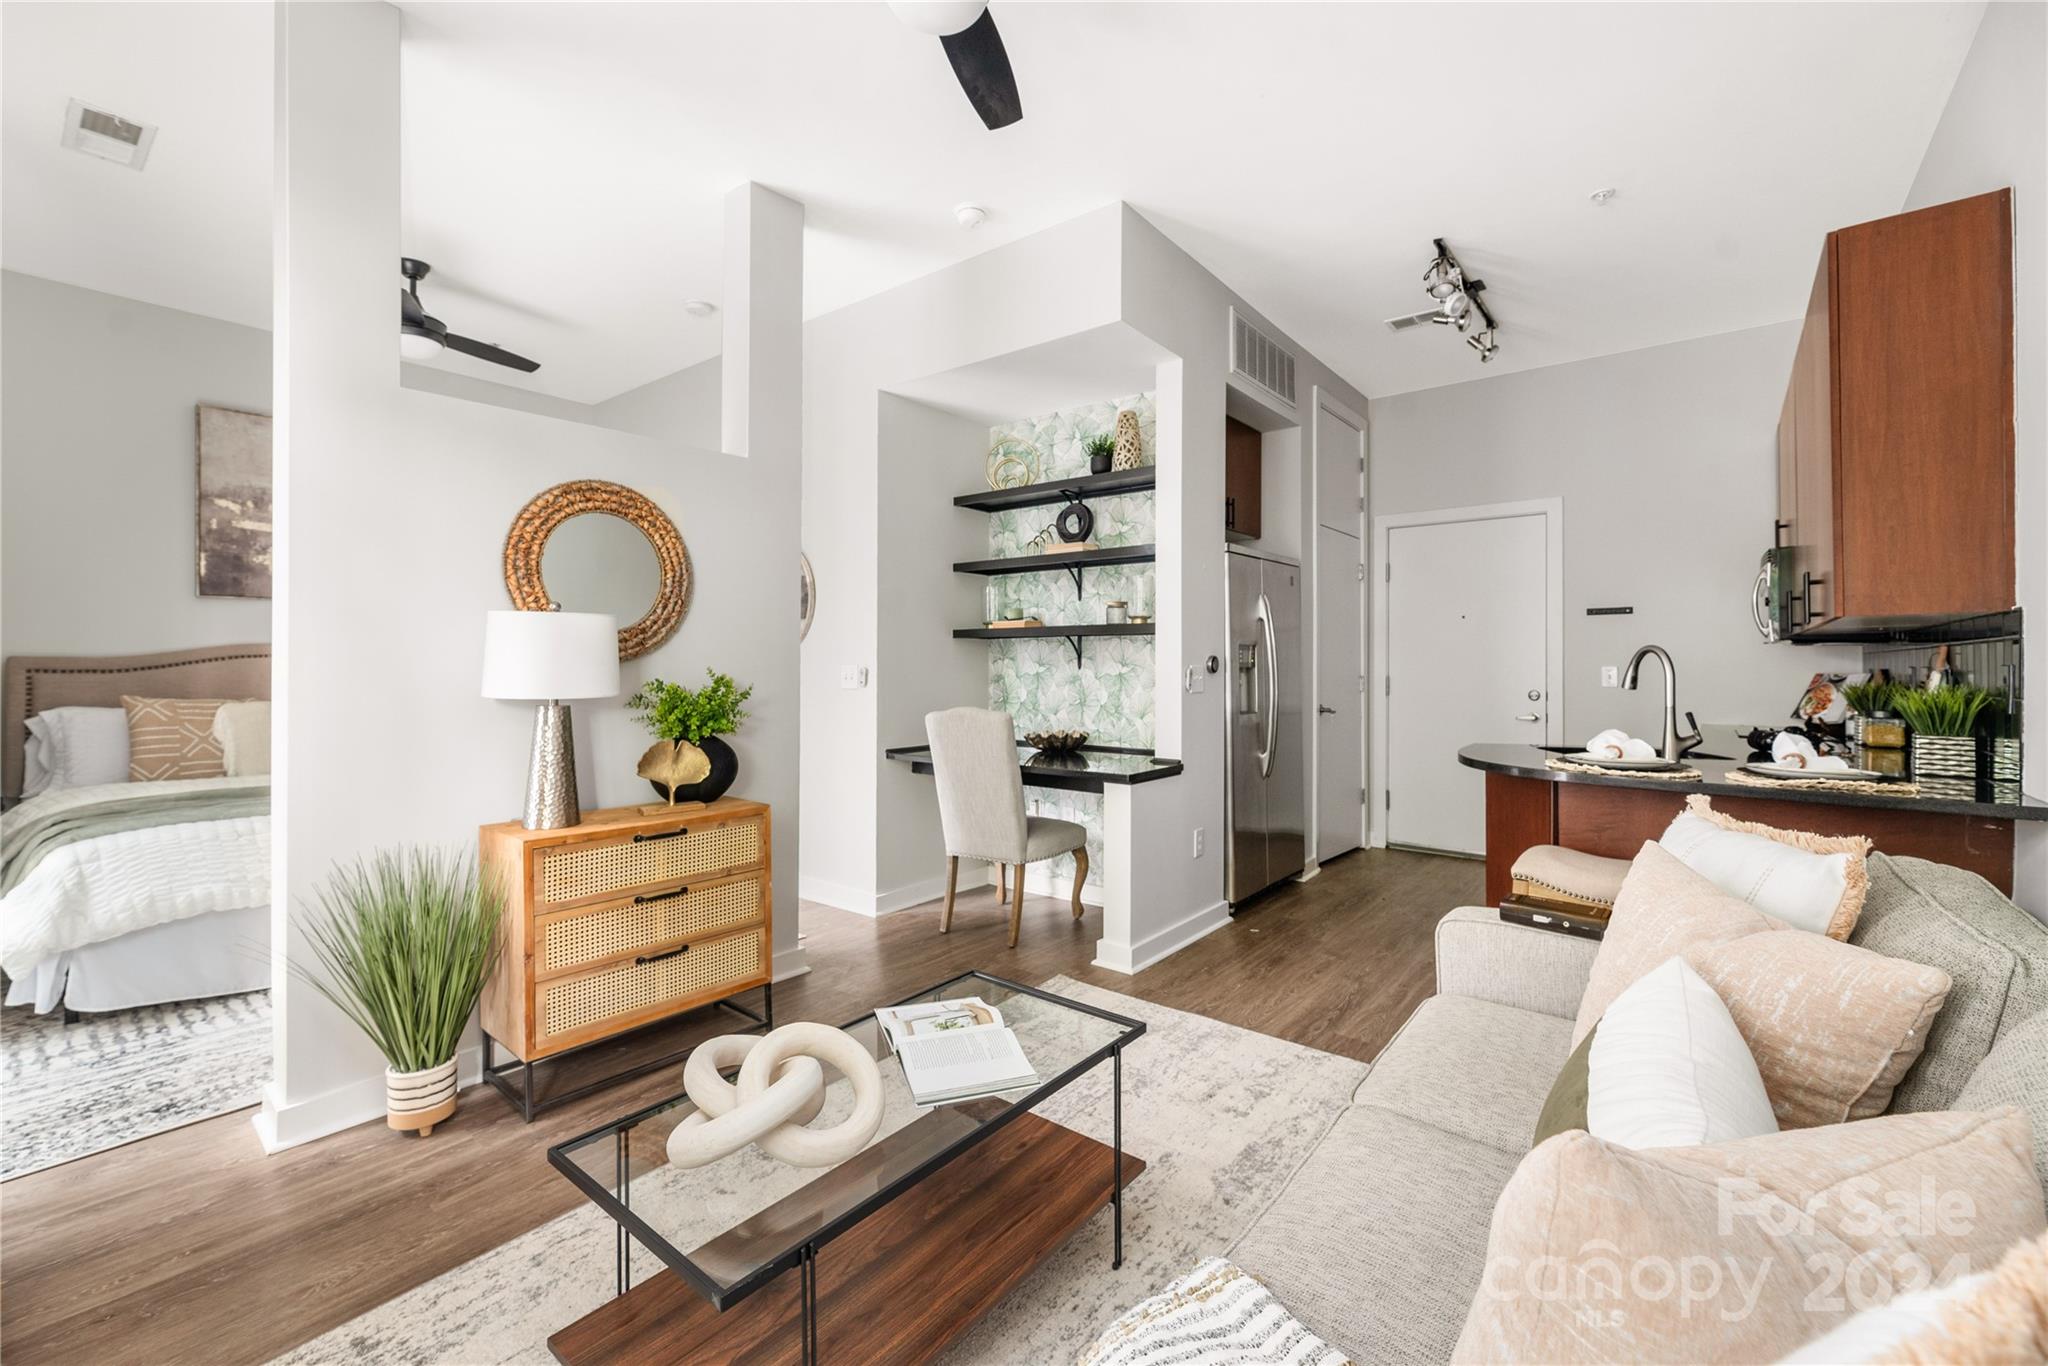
{"x":242,"y":730}
{"x":1741,"y":1251}
{"x":1669,"y":1069}
{"x":1832,"y":1027}
{"x":1811,"y":882}
{"x":171,"y":738}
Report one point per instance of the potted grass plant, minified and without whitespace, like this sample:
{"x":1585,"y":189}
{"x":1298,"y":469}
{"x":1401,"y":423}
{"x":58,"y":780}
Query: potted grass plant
{"x":1101,"y":449}
{"x":402,"y":942}
{"x":1944,"y":722}
{"x":688,"y":762}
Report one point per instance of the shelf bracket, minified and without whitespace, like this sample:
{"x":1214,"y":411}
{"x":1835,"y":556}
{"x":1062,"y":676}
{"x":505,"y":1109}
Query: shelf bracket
{"x":1075,"y":641}
{"x":1075,"y":570}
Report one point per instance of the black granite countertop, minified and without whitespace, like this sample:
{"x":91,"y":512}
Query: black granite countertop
{"x":1084,"y":770}
{"x":1999,"y":801}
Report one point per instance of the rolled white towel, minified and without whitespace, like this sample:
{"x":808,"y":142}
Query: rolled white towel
{"x":1607,"y":744}
{"x":1633,"y":748}
{"x":1792,"y":750}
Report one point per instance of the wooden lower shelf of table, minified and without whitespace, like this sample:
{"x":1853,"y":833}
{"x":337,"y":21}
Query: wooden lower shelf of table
{"x":897,"y":1288}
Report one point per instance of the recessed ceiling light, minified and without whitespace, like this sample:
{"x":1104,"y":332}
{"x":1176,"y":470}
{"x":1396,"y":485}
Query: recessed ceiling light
{"x":699,"y":308}
{"x":1601,"y":196}
{"x":109,"y":137}
{"x":970,"y":216}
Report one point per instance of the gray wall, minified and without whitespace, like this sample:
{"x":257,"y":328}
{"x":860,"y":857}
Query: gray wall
{"x":98,"y":469}
{"x":1994,"y":133}
{"x":683,"y":406}
{"x":1666,"y":459}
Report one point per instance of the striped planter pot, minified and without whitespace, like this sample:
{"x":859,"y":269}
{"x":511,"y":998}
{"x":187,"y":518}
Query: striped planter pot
{"x":2005,"y":760}
{"x":1945,"y":756}
{"x":419,"y":1100}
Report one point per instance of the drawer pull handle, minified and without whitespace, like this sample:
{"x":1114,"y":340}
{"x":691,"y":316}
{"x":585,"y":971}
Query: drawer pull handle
{"x":644,"y":959}
{"x":664,"y":835}
{"x":661,"y":896}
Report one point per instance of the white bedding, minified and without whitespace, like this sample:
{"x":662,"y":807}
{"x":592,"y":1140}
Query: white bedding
{"x":100,"y":888}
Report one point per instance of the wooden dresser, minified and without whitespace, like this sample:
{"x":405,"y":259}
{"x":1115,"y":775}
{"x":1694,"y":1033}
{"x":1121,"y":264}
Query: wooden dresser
{"x":625,"y":919}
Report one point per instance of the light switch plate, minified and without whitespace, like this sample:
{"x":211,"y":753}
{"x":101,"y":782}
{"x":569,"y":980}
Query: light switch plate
{"x":853,"y":676}
{"x":1610,"y":675}
{"x":1200,"y":836}
{"x":1193,"y":679}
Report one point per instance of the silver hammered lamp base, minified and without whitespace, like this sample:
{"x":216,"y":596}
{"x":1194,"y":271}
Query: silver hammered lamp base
{"x":551,"y":773}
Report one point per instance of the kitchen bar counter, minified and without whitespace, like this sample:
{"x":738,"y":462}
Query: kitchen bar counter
{"x":1087,"y":769}
{"x":1529,"y":803}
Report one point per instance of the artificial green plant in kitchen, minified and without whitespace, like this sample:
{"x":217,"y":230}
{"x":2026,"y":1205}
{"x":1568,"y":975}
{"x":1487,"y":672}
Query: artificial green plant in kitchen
{"x":402,"y":942}
{"x":1944,"y":722}
{"x":688,"y":762}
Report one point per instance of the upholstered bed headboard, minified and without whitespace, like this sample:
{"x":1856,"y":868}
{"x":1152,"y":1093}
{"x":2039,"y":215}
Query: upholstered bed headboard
{"x":36,"y":683}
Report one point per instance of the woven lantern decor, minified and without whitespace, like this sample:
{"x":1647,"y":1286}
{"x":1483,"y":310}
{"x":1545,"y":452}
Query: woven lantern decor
{"x":528,"y":538}
{"x":1130,"y":447}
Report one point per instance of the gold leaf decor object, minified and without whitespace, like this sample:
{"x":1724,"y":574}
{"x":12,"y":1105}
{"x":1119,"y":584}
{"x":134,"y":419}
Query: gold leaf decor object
{"x":674,"y":765}
{"x":1130,"y":447}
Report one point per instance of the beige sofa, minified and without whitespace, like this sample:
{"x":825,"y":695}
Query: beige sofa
{"x":1378,"y":1240}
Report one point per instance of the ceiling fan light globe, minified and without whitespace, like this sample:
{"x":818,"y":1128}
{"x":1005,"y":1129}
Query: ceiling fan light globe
{"x":419,"y":344}
{"x":939,"y":18}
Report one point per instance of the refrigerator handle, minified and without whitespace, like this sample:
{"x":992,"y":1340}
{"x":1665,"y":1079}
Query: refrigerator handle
{"x":1272,"y":671}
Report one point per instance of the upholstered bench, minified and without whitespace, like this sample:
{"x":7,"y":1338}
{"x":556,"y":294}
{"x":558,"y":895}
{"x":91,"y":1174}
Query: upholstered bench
{"x":1568,"y":880}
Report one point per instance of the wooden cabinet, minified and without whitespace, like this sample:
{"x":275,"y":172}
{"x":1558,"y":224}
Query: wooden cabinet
{"x":625,"y":919}
{"x":1243,"y":474}
{"x":1895,"y":442}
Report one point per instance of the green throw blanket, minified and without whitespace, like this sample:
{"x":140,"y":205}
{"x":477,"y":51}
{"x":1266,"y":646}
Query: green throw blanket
{"x":42,"y":825}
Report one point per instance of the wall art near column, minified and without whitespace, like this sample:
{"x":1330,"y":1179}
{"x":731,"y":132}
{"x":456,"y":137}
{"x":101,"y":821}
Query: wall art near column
{"x":234,"y":503}
{"x":807,"y":604}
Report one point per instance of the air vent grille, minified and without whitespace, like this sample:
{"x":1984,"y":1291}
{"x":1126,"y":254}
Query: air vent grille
{"x":1402,"y":324}
{"x":1256,"y":357}
{"x":109,"y":137}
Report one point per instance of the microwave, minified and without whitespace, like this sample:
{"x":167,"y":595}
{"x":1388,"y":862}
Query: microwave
{"x":1771,"y":598}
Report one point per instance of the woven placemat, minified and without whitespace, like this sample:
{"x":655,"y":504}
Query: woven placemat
{"x":1736,"y":775}
{"x":1669,"y":775}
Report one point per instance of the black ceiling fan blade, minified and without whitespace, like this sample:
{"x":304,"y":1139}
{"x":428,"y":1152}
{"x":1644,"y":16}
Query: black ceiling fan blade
{"x":983,"y":66}
{"x":409,"y":309}
{"x":496,"y":355}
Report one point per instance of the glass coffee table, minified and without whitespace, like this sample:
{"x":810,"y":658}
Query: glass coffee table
{"x":943,"y":1211}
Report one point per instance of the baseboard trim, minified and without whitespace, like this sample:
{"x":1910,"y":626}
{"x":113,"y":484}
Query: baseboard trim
{"x":788,"y":963}
{"x":1161,"y":944}
{"x":280,"y":1125}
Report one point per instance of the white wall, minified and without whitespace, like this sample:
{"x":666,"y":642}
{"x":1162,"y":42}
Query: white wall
{"x":1994,"y":133}
{"x":1666,"y":459}
{"x":393,"y":505}
{"x":681,"y":407}
{"x":98,"y":461}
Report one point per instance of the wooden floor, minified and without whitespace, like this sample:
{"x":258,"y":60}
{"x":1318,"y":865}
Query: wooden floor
{"x":195,"y":1247}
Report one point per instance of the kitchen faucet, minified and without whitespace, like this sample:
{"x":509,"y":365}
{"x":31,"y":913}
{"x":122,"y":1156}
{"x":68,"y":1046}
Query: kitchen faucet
{"x":1675,"y":746}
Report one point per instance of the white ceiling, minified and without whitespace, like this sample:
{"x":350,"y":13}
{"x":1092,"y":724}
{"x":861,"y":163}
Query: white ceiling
{"x":564,"y":164}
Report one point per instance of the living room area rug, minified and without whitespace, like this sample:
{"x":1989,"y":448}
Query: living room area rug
{"x":104,"y":1080}
{"x":1222,"y":1117}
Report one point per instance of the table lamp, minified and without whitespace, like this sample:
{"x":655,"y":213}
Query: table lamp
{"x":545,"y":657}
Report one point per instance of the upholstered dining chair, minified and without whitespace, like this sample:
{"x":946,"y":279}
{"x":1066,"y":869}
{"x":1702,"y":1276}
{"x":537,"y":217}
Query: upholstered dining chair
{"x":981,"y":807}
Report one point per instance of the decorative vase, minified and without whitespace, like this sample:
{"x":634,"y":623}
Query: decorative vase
{"x":419,"y":1100}
{"x":1130,"y":447}
{"x":1098,"y":464}
{"x":1944,"y":756}
{"x":725,"y":768}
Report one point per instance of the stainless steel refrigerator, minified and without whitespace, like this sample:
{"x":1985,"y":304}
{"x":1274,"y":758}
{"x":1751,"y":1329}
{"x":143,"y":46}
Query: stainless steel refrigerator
{"x":1268,"y":775}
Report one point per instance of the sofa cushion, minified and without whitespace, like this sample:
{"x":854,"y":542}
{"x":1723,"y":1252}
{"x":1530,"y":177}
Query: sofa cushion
{"x":1377,"y":1241}
{"x":1473,"y":1068}
{"x":1996,"y":956}
{"x":2016,"y":1073}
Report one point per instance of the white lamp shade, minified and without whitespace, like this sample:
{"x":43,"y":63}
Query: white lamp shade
{"x":550,"y":656}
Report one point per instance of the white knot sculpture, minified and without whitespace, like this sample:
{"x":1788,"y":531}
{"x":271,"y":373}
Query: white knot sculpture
{"x":772,"y":1113}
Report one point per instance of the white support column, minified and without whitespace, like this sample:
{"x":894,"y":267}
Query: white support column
{"x":1113,"y":950}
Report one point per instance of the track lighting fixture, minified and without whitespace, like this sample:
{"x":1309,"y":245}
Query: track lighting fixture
{"x":1458,"y":299}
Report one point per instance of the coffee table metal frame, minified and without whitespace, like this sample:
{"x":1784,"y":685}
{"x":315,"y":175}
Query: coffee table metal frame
{"x":617,"y":1200}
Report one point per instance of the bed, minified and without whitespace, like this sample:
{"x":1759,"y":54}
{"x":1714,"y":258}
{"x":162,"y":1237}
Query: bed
{"x":171,"y":904}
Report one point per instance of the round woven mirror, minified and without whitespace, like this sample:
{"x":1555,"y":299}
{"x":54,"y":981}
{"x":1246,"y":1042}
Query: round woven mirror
{"x":627,"y":549}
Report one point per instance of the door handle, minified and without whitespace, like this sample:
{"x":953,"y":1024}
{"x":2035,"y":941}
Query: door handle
{"x":1326,"y":711}
{"x":1528,"y":716}
{"x":1265,"y":619}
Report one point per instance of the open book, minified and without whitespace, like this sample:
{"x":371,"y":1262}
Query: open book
{"x":955,"y":1050}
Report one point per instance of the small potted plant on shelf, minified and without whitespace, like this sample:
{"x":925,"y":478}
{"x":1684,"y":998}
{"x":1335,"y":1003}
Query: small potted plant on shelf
{"x":403,"y":942}
{"x":1944,"y":722}
{"x":688,"y":762}
{"x":1101,"y":449}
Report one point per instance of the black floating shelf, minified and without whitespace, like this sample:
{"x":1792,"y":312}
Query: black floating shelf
{"x":1059,"y":490}
{"x":1073,"y":635}
{"x":1073,"y":561}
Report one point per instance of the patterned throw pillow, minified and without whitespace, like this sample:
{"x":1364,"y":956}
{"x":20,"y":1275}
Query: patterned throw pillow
{"x":172,"y":737}
{"x":1216,"y":1315}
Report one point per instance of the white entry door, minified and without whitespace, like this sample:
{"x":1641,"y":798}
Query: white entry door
{"x":1467,"y":661}
{"x":1339,"y":556}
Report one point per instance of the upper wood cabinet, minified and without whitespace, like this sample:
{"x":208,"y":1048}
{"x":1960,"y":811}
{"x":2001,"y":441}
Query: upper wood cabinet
{"x":1895,"y":442}
{"x":1243,"y":478}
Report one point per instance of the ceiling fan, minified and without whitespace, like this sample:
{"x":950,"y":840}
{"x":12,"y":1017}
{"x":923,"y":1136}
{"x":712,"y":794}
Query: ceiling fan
{"x":422,"y":336}
{"x":975,"y":49}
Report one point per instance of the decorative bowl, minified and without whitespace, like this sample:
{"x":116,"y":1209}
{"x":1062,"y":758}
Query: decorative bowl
{"x":1057,"y":741}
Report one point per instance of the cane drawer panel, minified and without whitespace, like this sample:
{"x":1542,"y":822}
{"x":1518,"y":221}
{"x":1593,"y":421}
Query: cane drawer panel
{"x":581,"y":872}
{"x":570,"y":941}
{"x":572,"y":1005}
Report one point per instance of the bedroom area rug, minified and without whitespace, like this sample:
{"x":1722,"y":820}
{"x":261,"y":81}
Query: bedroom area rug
{"x":1222,"y":1117}
{"x":76,"y":1089}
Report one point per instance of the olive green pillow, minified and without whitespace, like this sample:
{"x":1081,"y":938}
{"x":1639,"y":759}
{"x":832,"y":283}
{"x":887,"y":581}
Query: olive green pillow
{"x":1565,"y":1108}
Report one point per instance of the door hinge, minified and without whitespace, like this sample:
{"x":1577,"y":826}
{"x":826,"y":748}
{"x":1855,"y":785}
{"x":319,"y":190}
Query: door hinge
{"x":1390,"y":571}
{"x":1361,"y":683}
{"x":1390,"y":685}
{"x":1361,"y":571}
{"x":1390,"y":799}
{"x":1361,"y":502}
{"x":1363,"y":796}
